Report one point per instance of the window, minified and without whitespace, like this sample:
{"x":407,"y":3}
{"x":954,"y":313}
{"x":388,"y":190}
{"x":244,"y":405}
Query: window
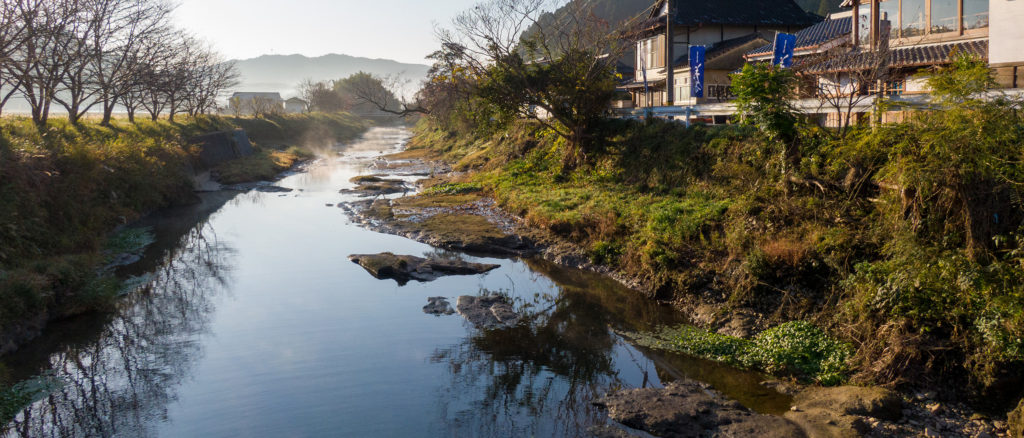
{"x":720,"y":92}
{"x":975,"y":14}
{"x":864,"y":24}
{"x":889,"y":10}
{"x":944,"y":16}
{"x":895,"y":88}
{"x":913,"y":18}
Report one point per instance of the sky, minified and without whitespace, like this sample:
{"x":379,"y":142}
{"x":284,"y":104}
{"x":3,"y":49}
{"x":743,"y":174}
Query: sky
{"x":402,"y":30}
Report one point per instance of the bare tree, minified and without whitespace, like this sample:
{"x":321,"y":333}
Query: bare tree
{"x":383,"y":93}
{"x":76,"y":89}
{"x":206,"y":78}
{"x":11,"y":38}
{"x":562,"y":75}
{"x":261,"y":106}
{"x":845,"y":77}
{"x":322,"y":96}
{"x":123,"y":28}
{"x":236,"y":106}
{"x":42,"y":62}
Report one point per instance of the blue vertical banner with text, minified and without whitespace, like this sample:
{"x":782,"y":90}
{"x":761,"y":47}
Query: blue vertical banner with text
{"x":697,"y":56}
{"x":785,"y":44}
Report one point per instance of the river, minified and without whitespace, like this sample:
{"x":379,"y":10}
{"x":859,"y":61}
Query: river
{"x":254,"y":323}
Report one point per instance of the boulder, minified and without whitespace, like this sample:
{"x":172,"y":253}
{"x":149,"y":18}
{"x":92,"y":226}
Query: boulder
{"x":438,"y":306}
{"x":220,"y":147}
{"x":488,"y":311}
{"x":1015,"y":421}
{"x":367,"y":186}
{"x":692,"y":409}
{"x":404,"y":268}
{"x":840,"y":412}
{"x":872,"y":402}
{"x":820,"y":423}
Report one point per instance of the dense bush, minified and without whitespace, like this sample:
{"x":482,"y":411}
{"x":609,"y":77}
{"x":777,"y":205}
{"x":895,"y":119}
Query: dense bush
{"x":904,"y":239}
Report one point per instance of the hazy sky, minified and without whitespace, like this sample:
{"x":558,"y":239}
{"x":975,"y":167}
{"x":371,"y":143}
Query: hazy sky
{"x":393,"y":29}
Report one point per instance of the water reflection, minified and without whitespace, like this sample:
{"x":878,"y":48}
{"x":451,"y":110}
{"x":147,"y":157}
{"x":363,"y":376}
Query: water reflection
{"x":118,"y":383}
{"x":539,"y":377}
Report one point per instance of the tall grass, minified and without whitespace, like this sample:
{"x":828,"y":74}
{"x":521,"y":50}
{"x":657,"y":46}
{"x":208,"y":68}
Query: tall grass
{"x":65,"y":188}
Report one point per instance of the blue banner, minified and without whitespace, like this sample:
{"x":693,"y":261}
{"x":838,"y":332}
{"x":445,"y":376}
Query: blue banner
{"x":697,"y":56}
{"x":785,"y":44}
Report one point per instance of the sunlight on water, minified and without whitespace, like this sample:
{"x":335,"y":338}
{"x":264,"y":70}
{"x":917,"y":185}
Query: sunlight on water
{"x":256,"y":324}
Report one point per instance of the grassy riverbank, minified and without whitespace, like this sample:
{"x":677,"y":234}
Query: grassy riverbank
{"x":64,"y":190}
{"x":903,"y":241}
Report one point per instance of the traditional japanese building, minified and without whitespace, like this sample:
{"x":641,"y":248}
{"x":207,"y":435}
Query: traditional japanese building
{"x":883,"y":48}
{"x":728,"y":28}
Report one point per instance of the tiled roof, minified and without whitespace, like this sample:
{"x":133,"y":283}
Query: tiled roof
{"x":722,"y":48}
{"x":814,"y":36}
{"x":906,"y":57}
{"x":735,"y":12}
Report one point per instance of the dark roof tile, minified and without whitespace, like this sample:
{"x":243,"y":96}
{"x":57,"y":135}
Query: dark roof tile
{"x":735,"y":12}
{"x":816,"y":35}
{"x":907,"y":57}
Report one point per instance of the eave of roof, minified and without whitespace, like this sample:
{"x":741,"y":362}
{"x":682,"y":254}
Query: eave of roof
{"x":694,"y":13}
{"x":722,"y":48}
{"x":905,"y":57}
{"x":814,"y":36}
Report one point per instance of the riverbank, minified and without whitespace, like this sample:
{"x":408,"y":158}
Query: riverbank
{"x":66,"y":189}
{"x":693,"y":222}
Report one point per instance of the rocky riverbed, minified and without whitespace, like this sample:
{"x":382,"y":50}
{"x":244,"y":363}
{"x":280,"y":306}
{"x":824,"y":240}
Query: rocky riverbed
{"x":473,"y":223}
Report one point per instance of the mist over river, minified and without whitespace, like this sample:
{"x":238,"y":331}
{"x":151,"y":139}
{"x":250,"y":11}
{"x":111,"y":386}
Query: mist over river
{"x":254,"y":323}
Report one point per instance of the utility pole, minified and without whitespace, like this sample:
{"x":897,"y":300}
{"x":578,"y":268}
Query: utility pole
{"x":670,"y":57}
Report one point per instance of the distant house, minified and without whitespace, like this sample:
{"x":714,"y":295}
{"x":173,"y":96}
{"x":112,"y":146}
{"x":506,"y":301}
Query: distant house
{"x":295,"y":106}
{"x":247,"y":103}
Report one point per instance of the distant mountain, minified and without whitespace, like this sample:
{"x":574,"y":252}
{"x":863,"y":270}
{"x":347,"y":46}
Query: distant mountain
{"x":282,"y":73}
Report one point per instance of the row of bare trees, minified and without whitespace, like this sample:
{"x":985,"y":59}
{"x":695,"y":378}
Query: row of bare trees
{"x":100,"y":55}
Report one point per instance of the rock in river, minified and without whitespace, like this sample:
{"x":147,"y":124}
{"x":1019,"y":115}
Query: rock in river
{"x":488,"y":311}
{"x":438,"y":306}
{"x":376,"y":186}
{"x":692,"y":409}
{"x":841,"y":411}
{"x":403,"y":268}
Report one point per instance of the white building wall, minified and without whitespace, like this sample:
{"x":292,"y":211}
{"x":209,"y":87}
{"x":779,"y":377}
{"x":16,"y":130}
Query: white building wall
{"x":917,"y":85}
{"x":1006,"y":31}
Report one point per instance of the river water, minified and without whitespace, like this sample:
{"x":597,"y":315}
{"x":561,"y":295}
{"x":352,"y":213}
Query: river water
{"x":254,"y":323}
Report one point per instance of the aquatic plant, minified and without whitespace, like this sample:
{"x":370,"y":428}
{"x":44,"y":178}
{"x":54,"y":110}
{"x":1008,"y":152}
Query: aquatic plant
{"x":796,"y":348}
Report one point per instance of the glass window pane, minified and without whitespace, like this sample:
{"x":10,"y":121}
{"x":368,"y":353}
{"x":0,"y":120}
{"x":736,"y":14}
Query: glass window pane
{"x":889,"y":10}
{"x":944,"y":16}
{"x":864,"y":24}
{"x":975,"y":14}
{"x":913,"y":23}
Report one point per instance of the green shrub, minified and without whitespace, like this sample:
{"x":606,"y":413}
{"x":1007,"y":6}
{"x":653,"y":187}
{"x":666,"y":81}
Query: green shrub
{"x":454,"y":189}
{"x":799,"y":348}
{"x":605,"y":253}
{"x":795,"y":348}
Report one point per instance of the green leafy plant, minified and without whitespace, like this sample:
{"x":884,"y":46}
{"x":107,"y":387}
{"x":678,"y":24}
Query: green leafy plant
{"x":795,"y":348}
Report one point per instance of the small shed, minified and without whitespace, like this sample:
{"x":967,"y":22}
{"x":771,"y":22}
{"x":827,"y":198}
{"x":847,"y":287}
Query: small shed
{"x":295,"y":106}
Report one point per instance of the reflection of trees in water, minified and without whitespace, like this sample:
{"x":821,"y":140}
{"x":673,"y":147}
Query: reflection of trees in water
{"x":117,"y":384}
{"x":535,"y":379}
